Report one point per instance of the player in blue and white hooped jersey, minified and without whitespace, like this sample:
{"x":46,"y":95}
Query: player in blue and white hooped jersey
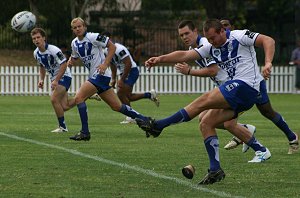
{"x":236,"y":56}
{"x":51,"y":59}
{"x":208,"y":68}
{"x":88,"y":47}
{"x":123,"y":64}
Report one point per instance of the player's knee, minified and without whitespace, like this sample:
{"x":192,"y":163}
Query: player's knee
{"x":204,"y":125}
{"x":54,"y":100}
{"x":78,"y":99}
{"x":200,"y":118}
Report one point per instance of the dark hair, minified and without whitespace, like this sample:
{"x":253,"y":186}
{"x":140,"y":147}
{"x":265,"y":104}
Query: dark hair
{"x":106,"y":33}
{"x":38,"y":30}
{"x":212,"y":23}
{"x":188,"y":23}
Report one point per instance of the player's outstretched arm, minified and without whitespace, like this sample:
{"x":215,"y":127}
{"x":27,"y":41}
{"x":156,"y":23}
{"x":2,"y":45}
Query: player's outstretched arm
{"x":173,"y":57}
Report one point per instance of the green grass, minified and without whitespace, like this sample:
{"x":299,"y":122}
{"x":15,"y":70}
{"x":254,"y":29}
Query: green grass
{"x":119,"y":161}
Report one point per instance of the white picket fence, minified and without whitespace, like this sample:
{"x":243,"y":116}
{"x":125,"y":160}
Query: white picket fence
{"x":23,"y":80}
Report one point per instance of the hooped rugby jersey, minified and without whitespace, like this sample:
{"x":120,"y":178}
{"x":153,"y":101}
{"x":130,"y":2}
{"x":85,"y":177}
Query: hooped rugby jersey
{"x":237,"y":57}
{"x":90,"y":52}
{"x":221,"y":76}
{"x":121,"y":53}
{"x":51,"y":59}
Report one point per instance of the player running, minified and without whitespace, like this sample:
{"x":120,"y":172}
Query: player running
{"x":123,"y":64}
{"x":51,"y":59}
{"x":88,"y":47}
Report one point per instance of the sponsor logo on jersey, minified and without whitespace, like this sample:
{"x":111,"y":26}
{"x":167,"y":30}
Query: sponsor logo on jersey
{"x":122,"y":53}
{"x":250,"y":34}
{"x":230,"y":63}
{"x":216,"y":52}
{"x":87,"y":58}
{"x":101,"y":38}
{"x":60,"y":56}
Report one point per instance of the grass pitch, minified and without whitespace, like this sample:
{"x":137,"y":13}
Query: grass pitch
{"x":119,"y":161}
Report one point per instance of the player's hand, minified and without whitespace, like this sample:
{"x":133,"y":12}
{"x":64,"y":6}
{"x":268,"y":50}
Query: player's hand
{"x":113,"y":83}
{"x":102,"y":68}
{"x":182,"y":68}
{"x":70,"y":62}
{"x":54,"y":84}
{"x":41,"y":84}
{"x":267,"y":69}
{"x":151,"y":62}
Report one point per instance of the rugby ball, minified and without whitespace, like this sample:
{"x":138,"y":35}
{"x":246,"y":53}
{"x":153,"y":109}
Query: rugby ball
{"x":23,"y":21}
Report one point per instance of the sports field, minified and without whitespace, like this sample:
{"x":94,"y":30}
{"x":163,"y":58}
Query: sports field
{"x":119,"y":161}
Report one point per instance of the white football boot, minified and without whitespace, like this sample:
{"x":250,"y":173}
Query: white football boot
{"x":60,"y":130}
{"x":261,"y":156}
{"x":128,"y":120}
{"x":294,"y":146}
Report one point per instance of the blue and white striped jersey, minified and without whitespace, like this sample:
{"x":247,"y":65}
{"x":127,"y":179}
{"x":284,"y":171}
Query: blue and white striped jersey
{"x":237,"y":57}
{"x":222,"y":76}
{"x":90,"y":52}
{"x":121,"y":53}
{"x":51,"y":59}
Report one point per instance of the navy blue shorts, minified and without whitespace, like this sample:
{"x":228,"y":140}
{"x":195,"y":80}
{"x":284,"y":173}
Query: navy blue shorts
{"x":101,"y":83}
{"x":65,"y":81}
{"x":240,"y":96}
{"x":132,"y":76}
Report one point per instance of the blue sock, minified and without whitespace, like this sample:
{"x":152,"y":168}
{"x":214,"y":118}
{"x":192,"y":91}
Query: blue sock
{"x":212,"y":148}
{"x":147,"y":95}
{"x":280,"y":123}
{"x":255,"y":145}
{"x":82,"y":109}
{"x":128,"y":111}
{"x":178,"y":117}
{"x":61,"y":121}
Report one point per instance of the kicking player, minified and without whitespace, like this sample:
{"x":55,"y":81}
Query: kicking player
{"x":235,"y":54}
{"x":208,"y":68}
{"x":265,"y":108}
{"x":89,"y":48}
{"x":123,"y":63}
{"x":51,"y":59}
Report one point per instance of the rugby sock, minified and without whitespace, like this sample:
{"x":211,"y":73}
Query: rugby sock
{"x":128,"y":111}
{"x":212,"y":148}
{"x":82,"y":109}
{"x":61,"y":121}
{"x":255,"y":145}
{"x":178,"y":117}
{"x":147,"y":95}
{"x":280,"y":123}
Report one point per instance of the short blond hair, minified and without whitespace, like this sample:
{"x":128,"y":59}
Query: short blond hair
{"x":78,"y":19}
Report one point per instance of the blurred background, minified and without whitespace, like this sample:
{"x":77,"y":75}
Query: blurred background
{"x":147,"y":27}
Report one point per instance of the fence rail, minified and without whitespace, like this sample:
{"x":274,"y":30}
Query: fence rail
{"x":23,"y":80}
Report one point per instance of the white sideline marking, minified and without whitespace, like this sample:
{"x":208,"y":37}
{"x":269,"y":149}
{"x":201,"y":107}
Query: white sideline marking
{"x":124,"y":165}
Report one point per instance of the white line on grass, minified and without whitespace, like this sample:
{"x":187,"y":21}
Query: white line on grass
{"x":123,"y":165}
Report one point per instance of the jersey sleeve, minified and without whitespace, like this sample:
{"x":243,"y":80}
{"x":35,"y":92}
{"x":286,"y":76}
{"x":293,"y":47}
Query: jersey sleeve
{"x":58,"y":55}
{"x":245,"y":37}
{"x":73,"y":53}
{"x":99,"y":40}
{"x":121,"y":52}
{"x":203,"y":50}
{"x":209,"y":61}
